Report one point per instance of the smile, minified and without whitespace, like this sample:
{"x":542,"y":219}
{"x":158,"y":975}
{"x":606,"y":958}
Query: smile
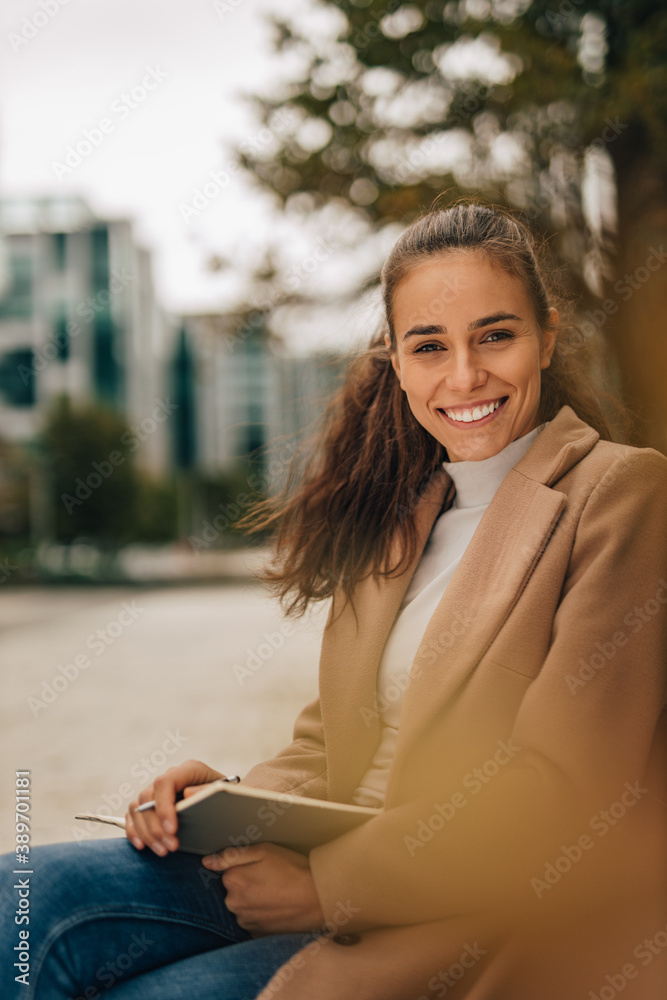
{"x":475,"y":414}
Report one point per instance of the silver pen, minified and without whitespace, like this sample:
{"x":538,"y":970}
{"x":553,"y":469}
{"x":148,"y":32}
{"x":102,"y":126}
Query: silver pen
{"x":232,"y":779}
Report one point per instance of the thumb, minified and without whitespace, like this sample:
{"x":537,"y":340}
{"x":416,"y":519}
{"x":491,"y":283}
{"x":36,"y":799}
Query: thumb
{"x":191,"y":789}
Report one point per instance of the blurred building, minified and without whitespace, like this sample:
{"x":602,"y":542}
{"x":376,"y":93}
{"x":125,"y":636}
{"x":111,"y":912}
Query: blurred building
{"x":78,"y":316}
{"x":302,"y":388}
{"x":243,"y":394}
{"x":225,"y":360}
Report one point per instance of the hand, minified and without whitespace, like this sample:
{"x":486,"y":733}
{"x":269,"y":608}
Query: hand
{"x":269,"y":889}
{"x":157,"y":827}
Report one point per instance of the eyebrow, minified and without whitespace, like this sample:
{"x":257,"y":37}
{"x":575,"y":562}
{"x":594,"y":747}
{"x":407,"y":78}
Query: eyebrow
{"x":477,"y":324}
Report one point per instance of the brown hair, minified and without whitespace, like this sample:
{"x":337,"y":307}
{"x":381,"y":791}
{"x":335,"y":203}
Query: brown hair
{"x":371,"y":459}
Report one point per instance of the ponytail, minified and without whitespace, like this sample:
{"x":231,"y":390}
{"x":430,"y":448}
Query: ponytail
{"x":366,"y":468}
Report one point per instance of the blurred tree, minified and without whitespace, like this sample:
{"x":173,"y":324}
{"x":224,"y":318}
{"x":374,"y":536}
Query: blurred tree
{"x":157,"y":511}
{"x":97,"y":492}
{"x":222,"y":501}
{"x":14,"y":506}
{"x":556,"y":107}
{"x":94,"y":483}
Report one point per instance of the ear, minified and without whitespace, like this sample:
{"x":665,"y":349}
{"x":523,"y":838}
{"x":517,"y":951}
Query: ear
{"x":549,"y":335}
{"x":394,"y":359}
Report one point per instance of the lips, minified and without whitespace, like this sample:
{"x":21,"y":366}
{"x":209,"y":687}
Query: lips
{"x":474,"y":413}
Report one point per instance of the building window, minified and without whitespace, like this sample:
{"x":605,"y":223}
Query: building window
{"x":17,"y":378}
{"x":61,"y":337}
{"x":183,"y":422}
{"x":254,"y":440}
{"x":59,"y":243}
{"x":106,"y":372}
{"x":17,"y":300}
{"x":100,"y":258}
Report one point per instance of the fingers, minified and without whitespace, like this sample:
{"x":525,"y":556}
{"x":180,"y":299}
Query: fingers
{"x":248,"y":854}
{"x":233,"y":863}
{"x":157,"y":827}
{"x":131,"y":830}
{"x":147,"y":826}
{"x":270,"y":889}
{"x":232,"y":857}
{"x":165,"y":788}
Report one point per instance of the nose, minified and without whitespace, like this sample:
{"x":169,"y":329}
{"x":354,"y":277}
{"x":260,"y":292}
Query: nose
{"x":464,"y":371}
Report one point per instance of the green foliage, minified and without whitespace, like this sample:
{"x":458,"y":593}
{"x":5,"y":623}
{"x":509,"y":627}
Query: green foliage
{"x":383,"y":86}
{"x":94,"y":484}
{"x":157,"y":511}
{"x":14,"y":487}
{"x":96,"y":491}
{"x":396,"y":107}
{"x":228,"y":497}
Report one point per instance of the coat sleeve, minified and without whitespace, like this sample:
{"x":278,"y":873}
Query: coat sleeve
{"x":585,"y":747}
{"x":302,"y":766}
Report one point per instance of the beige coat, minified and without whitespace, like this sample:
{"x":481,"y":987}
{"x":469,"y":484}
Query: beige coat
{"x":536,"y":704}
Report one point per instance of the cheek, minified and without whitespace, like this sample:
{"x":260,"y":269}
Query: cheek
{"x":420,"y":386}
{"x":534,"y":376}
{"x":524,"y":373}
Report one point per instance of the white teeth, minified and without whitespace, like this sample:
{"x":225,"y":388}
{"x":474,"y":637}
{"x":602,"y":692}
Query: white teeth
{"x":477,"y":413}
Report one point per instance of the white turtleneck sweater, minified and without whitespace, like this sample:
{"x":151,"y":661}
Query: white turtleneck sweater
{"x":476,"y":484}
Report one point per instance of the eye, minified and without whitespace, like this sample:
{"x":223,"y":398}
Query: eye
{"x":424,"y":348}
{"x":500,"y":334}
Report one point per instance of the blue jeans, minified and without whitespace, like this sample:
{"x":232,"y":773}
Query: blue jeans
{"x":103,"y":915}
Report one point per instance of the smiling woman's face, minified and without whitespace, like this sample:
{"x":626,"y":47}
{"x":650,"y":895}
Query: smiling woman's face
{"x":469,"y":353}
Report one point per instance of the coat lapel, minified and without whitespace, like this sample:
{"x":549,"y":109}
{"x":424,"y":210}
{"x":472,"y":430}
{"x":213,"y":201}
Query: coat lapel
{"x":488,"y":581}
{"x":496,"y":566}
{"x":494,"y":570}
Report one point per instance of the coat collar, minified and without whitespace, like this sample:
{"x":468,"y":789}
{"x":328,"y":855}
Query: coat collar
{"x":564,"y":441}
{"x":503,"y":552}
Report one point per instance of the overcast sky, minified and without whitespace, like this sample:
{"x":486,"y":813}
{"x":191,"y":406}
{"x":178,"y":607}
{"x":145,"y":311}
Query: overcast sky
{"x":165,"y":79}
{"x":76,"y":70}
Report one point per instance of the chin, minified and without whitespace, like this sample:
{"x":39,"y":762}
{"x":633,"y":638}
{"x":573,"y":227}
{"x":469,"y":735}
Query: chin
{"x":475,"y":451}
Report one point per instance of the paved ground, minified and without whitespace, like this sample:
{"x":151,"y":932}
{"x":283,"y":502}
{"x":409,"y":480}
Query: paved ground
{"x":103,"y":687}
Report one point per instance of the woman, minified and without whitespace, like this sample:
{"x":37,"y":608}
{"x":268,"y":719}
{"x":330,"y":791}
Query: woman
{"x":492,"y":674}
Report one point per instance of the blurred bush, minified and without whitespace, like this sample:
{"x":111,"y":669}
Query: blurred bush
{"x":93,"y":482}
{"x":78,"y":490}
